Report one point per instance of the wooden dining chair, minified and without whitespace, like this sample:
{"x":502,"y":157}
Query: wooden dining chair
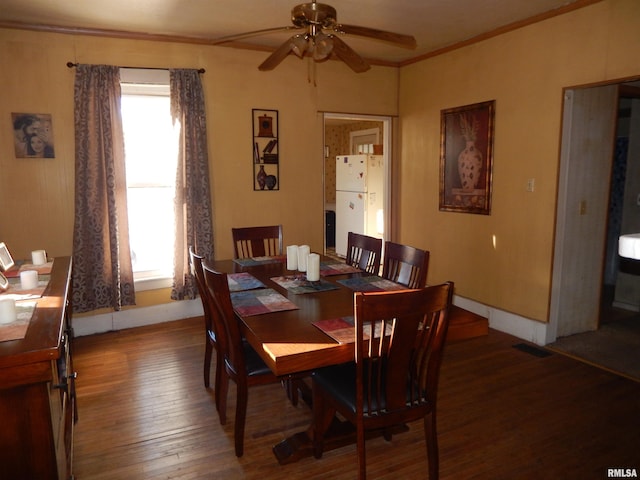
{"x":257,"y":241}
{"x":211,"y":338}
{"x":394,"y":378}
{"x":242,"y":364}
{"x":405,"y":265}
{"x":364,"y":252}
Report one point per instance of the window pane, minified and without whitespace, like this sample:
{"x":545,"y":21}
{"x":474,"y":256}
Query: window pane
{"x":151,"y":160}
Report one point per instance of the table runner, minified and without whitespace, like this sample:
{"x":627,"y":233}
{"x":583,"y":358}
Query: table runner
{"x":299,"y":284}
{"x":18,"y":329}
{"x":44,"y":269}
{"x":257,"y":302}
{"x":16,"y":292}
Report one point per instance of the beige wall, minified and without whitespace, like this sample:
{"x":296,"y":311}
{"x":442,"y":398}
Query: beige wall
{"x":524,"y":72}
{"x":37,"y":194}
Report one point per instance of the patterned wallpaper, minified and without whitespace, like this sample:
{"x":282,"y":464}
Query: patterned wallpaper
{"x":336,"y":137}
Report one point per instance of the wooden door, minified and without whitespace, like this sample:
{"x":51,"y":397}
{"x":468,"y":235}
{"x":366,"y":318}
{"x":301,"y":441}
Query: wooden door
{"x":583,"y":194}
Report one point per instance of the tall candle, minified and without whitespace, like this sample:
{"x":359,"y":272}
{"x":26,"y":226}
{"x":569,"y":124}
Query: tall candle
{"x":292,"y":257}
{"x":303,"y":254}
{"x":28,"y":279}
{"x":38,"y":257}
{"x":8,"y":310}
{"x":313,"y":267}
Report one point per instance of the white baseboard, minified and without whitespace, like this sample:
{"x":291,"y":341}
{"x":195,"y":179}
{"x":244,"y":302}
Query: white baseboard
{"x":521,"y":327}
{"x":136,"y":317}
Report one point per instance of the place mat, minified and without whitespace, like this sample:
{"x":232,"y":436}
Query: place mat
{"x":243,"y":281}
{"x":370,"y":284}
{"x":342,"y":329}
{"x":335,"y":268}
{"x":18,"y":329}
{"x":257,"y":302}
{"x":253,"y":261}
{"x":299,"y":284}
{"x":16,"y":292}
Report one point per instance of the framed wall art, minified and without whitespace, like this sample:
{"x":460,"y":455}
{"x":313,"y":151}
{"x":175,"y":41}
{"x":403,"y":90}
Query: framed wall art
{"x":466,"y":158}
{"x":33,"y":135}
{"x":266,"y":160}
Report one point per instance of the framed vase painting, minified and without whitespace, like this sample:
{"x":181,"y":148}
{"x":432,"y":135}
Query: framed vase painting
{"x":466,"y":158}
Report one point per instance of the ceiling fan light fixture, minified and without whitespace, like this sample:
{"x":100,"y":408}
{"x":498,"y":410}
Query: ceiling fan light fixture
{"x":313,"y":19}
{"x":299,"y":44}
{"x":323,"y":46}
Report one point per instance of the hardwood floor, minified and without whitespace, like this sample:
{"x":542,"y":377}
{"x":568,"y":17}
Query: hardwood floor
{"x":503,"y":414}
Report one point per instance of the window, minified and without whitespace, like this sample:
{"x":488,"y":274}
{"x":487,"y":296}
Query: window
{"x":151,"y":152}
{"x":362,"y":141}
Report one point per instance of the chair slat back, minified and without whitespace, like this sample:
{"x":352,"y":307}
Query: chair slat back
{"x":405,"y":265}
{"x":364,"y":252}
{"x":218,"y":287}
{"x":398,"y":370}
{"x":195,"y":262}
{"x":257,"y":241}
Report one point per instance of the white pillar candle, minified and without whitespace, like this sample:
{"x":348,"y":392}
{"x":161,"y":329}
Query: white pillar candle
{"x":29,"y":279}
{"x":313,"y":267}
{"x":38,"y":257}
{"x":8,"y":310}
{"x":303,"y":254}
{"x":292,"y":257}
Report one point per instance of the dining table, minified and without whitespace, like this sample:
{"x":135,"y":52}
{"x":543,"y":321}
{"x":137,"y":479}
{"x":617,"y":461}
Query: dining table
{"x":292,"y":323}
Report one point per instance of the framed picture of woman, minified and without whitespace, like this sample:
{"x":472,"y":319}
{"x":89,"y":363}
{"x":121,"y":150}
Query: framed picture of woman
{"x":33,"y":135}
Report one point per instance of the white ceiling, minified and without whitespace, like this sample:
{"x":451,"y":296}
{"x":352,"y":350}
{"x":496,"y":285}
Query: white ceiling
{"x":435,"y":24}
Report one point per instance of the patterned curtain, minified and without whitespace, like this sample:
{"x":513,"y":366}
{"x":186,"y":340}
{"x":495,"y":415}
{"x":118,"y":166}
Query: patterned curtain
{"x":193,"y":194}
{"x":102,"y":273}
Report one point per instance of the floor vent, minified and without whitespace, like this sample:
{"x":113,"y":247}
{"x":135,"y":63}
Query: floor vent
{"x":538,"y":352}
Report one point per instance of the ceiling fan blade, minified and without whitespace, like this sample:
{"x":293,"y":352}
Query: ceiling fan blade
{"x":345,"y":53}
{"x":239,"y":36}
{"x":278,"y":56}
{"x":406,"y":41}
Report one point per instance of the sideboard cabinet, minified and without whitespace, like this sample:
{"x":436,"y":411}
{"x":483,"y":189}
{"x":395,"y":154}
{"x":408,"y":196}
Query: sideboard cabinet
{"x":37,"y":389}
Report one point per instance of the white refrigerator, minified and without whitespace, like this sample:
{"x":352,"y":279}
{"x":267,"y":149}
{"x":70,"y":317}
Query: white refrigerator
{"x":359,"y":197}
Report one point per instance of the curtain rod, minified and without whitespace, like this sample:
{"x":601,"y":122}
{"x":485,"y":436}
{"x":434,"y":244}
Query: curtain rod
{"x":72,"y":65}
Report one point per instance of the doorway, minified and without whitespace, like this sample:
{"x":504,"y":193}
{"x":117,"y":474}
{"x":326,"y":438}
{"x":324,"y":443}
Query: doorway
{"x":585,"y":255}
{"x":340,"y":139}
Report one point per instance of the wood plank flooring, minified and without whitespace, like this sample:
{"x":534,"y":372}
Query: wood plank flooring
{"x":503,"y":414}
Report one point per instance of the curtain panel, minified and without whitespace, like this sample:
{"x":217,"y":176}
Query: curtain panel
{"x":194,"y":226}
{"x":102,"y":271}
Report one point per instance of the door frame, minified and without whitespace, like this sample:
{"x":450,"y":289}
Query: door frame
{"x":573,"y":201}
{"x":387,"y":141}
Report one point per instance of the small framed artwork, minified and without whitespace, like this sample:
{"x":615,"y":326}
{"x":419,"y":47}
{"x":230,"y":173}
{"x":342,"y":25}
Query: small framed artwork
{"x":466,"y":158}
{"x":33,"y":135}
{"x":6,"y":260}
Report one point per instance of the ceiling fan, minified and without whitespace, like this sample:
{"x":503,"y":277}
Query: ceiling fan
{"x":319,"y":37}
